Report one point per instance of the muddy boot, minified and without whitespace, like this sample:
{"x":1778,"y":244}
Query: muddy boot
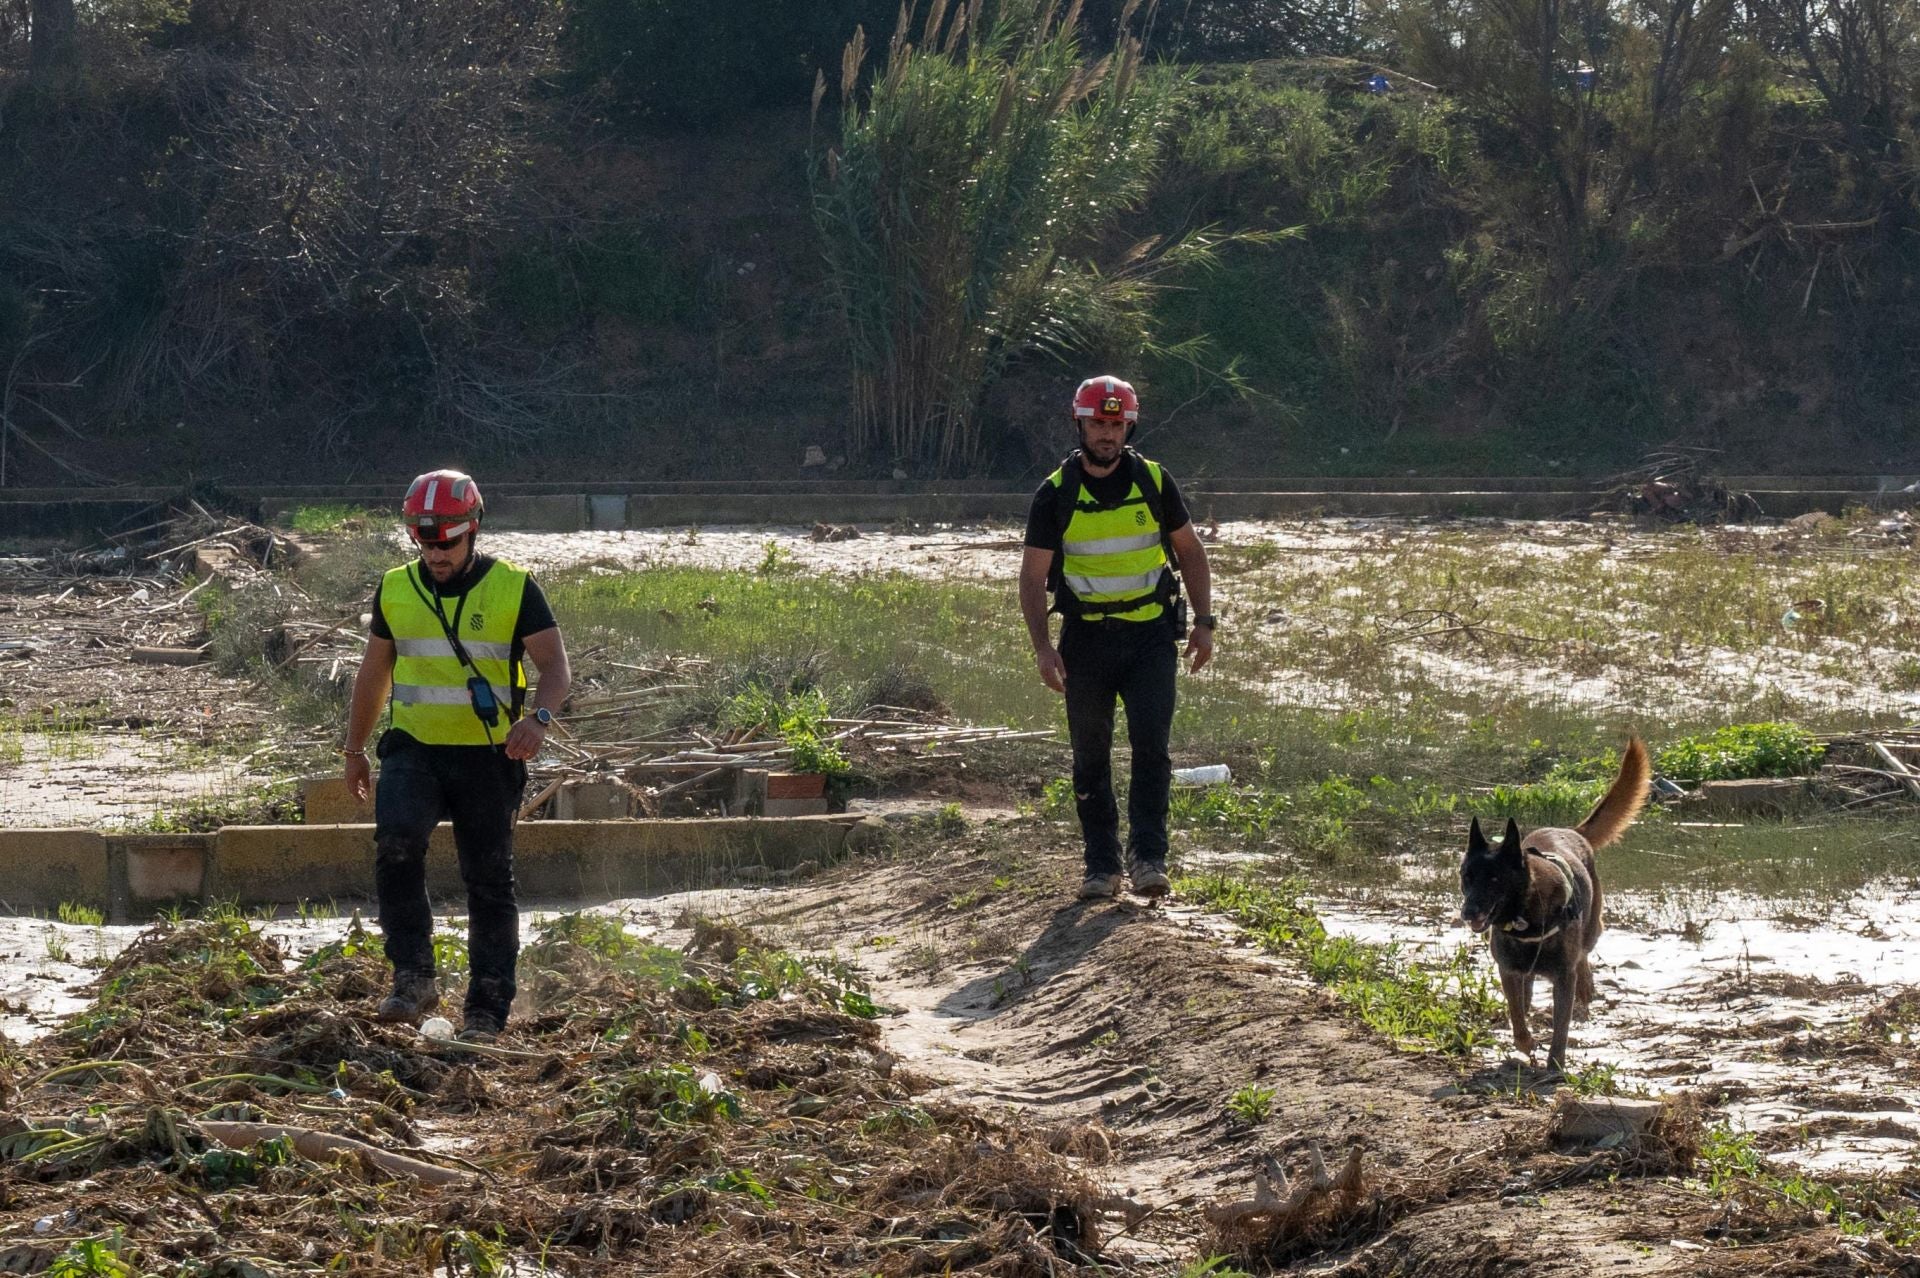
{"x":414,"y":995}
{"x":480,"y":1026}
{"x":1099,"y":887}
{"x":1149,"y":879}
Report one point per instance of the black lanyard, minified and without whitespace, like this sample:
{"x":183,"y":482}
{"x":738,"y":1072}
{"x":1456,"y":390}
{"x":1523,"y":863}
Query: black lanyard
{"x":451,"y":627}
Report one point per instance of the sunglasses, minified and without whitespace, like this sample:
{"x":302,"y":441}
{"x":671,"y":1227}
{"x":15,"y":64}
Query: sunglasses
{"x":436,"y":543}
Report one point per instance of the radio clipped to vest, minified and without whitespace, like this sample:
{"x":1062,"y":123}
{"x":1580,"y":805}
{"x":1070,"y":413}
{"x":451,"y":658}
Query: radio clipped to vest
{"x":485,"y":704}
{"x":1110,"y":564}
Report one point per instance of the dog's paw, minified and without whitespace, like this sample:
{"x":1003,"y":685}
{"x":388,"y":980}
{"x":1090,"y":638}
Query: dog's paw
{"x":1582,"y":1012}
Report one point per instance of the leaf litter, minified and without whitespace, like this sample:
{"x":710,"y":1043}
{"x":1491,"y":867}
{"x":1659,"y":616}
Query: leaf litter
{"x":725,"y":1108}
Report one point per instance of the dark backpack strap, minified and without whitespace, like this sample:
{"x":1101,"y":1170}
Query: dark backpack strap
{"x":1066,"y":499}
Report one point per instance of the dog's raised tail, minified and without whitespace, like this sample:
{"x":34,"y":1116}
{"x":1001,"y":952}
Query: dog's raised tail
{"x":1622,"y":801}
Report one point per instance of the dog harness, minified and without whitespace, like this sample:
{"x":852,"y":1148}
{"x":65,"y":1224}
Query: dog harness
{"x":1574,"y":909}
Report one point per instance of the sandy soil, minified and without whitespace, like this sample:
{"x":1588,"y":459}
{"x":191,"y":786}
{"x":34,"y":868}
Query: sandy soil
{"x":1766,"y":1016}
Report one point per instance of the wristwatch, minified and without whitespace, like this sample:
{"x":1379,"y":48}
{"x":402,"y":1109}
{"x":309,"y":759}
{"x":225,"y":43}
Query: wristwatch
{"x":543,"y":717}
{"x":1208,"y":620}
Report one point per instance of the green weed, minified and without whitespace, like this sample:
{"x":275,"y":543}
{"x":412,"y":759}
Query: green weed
{"x":1743,"y":750}
{"x":275,"y":803}
{"x":898,"y":1118}
{"x":450,"y":955}
{"x":1213,"y":1267}
{"x":93,"y":1258}
{"x":1731,"y":1161}
{"x":1252,"y":1103}
{"x":1600,"y":1078}
{"x":84,"y":915}
{"x":1451,"y":1007}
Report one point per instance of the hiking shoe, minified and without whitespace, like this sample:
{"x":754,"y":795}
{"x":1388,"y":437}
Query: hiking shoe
{"x":1097,"y":887}
{"x":1149,"y":879}
{"x":414,"y":995}
{"x":480,"y":1027}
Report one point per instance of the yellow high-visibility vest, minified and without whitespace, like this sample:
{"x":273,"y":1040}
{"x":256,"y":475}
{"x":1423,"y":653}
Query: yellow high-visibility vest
{"x":430,"y":698}
{"x":1113,"y":560}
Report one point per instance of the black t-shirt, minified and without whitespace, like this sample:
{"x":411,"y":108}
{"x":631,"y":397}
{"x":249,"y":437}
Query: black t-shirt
{"x":535,"y":613}
{"x":1043,"y":521}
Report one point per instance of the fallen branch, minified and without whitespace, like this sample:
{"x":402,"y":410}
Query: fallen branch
{"x":1899,"y":769}
{"x":322,"y":1146}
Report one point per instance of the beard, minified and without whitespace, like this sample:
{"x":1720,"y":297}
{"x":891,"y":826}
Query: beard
{"x":1102,"y":451}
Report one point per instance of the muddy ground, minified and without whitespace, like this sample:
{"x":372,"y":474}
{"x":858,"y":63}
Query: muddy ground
{"x":1083,"y":1054}
{"x":1081,"y":1051}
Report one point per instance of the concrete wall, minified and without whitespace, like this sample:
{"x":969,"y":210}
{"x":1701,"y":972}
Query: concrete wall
{"x":567,"y":508}
{"x":131,"y":876}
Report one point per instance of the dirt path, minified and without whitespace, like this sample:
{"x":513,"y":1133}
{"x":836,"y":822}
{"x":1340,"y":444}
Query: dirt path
{"x":1142,"y":1022}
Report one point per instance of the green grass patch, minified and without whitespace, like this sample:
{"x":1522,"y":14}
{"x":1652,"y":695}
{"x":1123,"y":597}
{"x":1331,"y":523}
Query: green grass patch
{"x":335,"y":517}
{"x":1451,"y":1007}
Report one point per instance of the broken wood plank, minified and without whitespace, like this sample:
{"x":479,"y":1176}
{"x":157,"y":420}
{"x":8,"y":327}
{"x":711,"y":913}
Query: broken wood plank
{"x":169,"y":656}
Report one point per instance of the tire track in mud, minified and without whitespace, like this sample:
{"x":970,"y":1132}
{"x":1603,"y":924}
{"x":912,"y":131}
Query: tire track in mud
{"x":1139,"y":1023}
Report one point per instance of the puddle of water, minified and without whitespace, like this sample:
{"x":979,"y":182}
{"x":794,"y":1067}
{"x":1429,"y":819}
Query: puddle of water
{"x":1763,"y":1010}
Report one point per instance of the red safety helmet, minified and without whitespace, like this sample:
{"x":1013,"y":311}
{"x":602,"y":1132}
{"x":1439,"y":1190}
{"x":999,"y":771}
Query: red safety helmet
{"x":1107,"y":399}
{"x":442,"y":505}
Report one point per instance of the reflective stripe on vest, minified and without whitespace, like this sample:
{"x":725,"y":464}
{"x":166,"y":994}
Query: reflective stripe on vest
{"x":430,"y":698}
{"x":1115,"y":556}
{"x":444,"y":648}
{"x":415,"y":694}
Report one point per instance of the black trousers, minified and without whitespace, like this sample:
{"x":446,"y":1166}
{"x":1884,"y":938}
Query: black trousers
{"x":1133,"y":661}
{"x":479,"y":788}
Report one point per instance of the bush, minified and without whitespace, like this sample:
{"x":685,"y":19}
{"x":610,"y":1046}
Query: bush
{"x":1743,"y":750}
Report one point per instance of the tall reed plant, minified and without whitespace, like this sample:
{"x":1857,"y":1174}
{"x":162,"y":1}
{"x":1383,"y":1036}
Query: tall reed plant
{"x":974,"y":178}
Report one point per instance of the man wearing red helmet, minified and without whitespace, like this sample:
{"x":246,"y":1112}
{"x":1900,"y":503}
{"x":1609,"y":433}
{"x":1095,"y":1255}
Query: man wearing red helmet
{"x":1104,"y":536}
{"x":449,"y":640}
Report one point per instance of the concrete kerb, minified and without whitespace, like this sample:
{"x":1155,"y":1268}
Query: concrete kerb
{"x":133,"y":875}
{"x":43,"y":868}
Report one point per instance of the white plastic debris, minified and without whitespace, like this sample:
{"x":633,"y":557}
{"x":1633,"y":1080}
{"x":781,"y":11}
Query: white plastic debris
{"x":1211,"y":774}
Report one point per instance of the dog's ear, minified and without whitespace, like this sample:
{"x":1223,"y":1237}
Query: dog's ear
{"x":1510,"y":841}
{"x":1476,"y":841}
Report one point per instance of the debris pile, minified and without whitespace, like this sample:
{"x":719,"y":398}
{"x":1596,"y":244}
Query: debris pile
{"x":1674,"y":487}
{"x":621,"y":747}
{"x":224,"y":1107}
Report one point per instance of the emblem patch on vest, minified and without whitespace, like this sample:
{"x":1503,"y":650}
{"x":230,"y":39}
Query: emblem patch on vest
{"x":475,"y":622}
{"x":1140,"y":518}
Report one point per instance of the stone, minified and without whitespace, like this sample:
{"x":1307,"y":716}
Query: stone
{"x":325,"y":800}
{"x":1756,"y":796}
{"x":592,"y":801}
{"x":1592,"y":1120}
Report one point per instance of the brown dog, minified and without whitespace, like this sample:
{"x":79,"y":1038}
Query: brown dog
{"x":1541,"y":897}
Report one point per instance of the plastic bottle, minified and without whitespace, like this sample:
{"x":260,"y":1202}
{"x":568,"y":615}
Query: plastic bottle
{"x":1211,"y":774}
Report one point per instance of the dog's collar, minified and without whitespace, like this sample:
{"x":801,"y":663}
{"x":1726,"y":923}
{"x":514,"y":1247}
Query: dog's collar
{"x":1560,"y":918}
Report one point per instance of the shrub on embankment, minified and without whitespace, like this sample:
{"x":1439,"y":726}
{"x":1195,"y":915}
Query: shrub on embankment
{"x":587,"y":240}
